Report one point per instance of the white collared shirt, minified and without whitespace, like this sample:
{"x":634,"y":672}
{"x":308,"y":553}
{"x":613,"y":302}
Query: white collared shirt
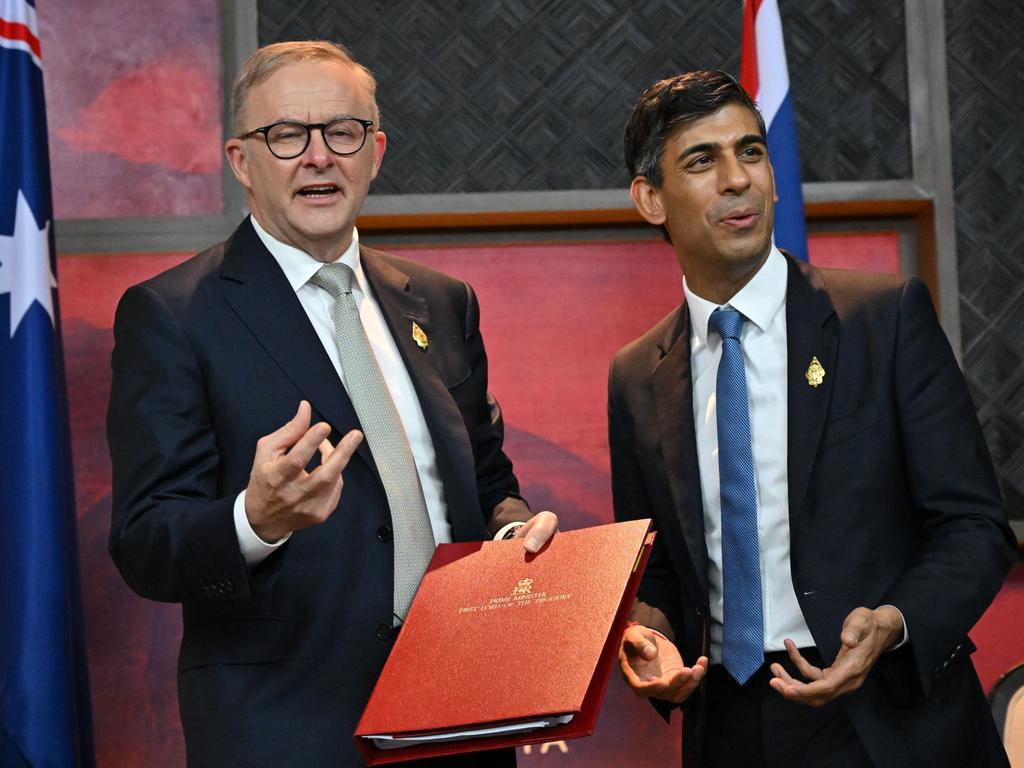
{"x":763,"y":302}
{"x":299,"y":267}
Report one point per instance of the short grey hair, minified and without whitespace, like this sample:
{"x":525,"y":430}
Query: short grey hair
{"x":263,"y":63}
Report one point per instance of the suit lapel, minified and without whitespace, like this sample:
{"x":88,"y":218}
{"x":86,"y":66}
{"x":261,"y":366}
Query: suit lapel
{"x":673,"y":394}
{"x":402,"y":306}
{"x":809,"y":335}
{"x":258,"y":292}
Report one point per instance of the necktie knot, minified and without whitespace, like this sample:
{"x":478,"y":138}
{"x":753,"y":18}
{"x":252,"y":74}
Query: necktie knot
{"x":334,"y":278}
{"x":728,"y":323}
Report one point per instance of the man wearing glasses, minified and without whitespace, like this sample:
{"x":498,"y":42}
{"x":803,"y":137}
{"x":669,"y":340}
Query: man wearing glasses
{"x":295,"y":421}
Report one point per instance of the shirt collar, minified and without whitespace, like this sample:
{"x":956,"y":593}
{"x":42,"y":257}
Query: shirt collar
{"x":759,"y":300}
{"x":298,"y":266}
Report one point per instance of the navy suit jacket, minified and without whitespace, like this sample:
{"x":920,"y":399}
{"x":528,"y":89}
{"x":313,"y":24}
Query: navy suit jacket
{"x":276,"y":664}
{"x":892,"y":500}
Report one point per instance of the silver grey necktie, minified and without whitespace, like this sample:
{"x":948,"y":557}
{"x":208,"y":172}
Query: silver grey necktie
{"x":413,"y":537}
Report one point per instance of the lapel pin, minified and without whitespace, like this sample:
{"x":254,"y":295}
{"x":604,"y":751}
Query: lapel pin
{"x":815,"y":373}
{"x":419,"y":336}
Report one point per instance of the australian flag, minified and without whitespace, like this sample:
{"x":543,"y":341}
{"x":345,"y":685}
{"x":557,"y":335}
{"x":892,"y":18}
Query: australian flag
{"x":763,"y":74}
{"x":44,"y":693}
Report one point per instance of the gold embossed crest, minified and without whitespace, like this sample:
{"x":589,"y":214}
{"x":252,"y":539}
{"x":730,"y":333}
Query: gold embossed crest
{"x":524,"y":587}
{"x":815,"y":373}
{"x":419,"y":336}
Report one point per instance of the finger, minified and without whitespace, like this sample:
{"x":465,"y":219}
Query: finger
{"x":281,"y":439}
{"x":811,"y":694}
{"x":628,"y":672}
{"x":856,"y":626}
{"x":329,"y":472}
{"x":638,"y":686}
{"x":538,"y":530}
{"x":342,"y":453}
{"x":780,"y":673}
{"x":677,"y":687}
{"x":640,"y":643}
{"x":326,"y":449}
{"x":790,"y":687}
{"x":804,"y":667}
{"x":302,"y":451}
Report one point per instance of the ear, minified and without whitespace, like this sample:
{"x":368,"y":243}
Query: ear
{"x":647,"y":200}
{"x":380,"y":143}
{"x":235,"y":152}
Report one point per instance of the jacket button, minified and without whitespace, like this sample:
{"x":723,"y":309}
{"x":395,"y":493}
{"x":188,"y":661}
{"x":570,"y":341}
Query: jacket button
{"x":229,"y":586}
{"x":384,"y":533}
{"x":384,"y":632}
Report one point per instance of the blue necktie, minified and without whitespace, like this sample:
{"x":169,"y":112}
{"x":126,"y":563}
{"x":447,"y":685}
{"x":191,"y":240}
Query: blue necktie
{"x":742,"y":619}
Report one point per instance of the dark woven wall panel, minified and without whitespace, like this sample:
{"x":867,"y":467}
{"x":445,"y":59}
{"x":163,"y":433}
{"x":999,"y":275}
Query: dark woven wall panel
{"x":500,"y":95}
{"x":985,"y":50}
{"x":848,"y":77}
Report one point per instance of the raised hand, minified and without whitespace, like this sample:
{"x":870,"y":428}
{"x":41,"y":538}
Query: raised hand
{"x":282,"y":496}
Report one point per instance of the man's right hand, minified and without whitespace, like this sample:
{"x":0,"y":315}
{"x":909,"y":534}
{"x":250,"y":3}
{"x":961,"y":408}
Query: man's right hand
{"x":282,"y":496}
{"x":654,"y":669}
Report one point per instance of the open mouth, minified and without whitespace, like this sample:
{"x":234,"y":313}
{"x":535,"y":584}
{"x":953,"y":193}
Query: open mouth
{"x":314,"y":191}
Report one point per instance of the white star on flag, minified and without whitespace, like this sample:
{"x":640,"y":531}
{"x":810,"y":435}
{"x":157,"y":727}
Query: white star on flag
{"x":25,"y":265}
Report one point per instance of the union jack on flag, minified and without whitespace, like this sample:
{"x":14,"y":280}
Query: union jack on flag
{"x":764,"y":75}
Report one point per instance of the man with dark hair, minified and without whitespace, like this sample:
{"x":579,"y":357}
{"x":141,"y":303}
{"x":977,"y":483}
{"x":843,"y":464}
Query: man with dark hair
{"x":244,"y":382}
{"x":829,"y":521}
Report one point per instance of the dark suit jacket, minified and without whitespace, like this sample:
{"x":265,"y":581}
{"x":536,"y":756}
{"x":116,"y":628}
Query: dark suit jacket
{"x":892,"y":499}
{"x":276,"y":664}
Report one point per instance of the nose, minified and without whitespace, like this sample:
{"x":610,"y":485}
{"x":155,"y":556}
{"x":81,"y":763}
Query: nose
{"x":733,"y":176}
{"x":317,"y":154}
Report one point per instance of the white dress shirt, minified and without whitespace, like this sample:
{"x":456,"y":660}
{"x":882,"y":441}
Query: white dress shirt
{"x":763,"y":302}
{"x":299,"y":267}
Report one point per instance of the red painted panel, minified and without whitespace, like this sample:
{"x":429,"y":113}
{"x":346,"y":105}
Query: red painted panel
{"x":861,"y":251}
{"x":133,"y":106}
{"x":552,"y":316}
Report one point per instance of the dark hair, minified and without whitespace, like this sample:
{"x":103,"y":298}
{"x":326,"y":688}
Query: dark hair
{"x":670,"y":103}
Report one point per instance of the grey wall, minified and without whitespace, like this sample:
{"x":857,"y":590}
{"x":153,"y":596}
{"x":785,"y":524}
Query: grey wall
{"x":501,"y":95}
{"x":985,"y":55}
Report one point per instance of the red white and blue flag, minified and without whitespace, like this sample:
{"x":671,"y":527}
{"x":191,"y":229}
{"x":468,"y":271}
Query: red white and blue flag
{"x":44,"y":694}
{"x":764,"y":75}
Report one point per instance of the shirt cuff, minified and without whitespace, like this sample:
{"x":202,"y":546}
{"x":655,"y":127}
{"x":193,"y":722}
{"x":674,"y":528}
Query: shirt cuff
{"x":906,"y":631}
{"x":254,"y":549}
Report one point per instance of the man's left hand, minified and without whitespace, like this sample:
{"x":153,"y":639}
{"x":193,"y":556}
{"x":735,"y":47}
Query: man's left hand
{"x":537,"y":530}
{"x":866,"y":635}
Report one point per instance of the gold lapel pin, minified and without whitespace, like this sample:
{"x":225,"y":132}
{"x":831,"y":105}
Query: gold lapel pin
{"x":815,"y":373}
{"x":419,"y":336}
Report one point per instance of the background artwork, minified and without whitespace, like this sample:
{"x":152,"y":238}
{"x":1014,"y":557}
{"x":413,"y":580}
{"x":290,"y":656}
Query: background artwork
{"x":133,"y":107}
{"x":551,"y":326}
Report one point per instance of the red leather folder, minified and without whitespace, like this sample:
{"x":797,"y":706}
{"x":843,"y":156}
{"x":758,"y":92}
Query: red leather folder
{"x":497,"y":636}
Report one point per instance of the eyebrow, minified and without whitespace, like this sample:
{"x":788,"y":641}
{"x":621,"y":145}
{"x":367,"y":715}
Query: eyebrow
{"x":711,"y":147}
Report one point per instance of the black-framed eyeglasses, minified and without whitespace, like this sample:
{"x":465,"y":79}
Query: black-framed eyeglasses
{"x":286,"y":140}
